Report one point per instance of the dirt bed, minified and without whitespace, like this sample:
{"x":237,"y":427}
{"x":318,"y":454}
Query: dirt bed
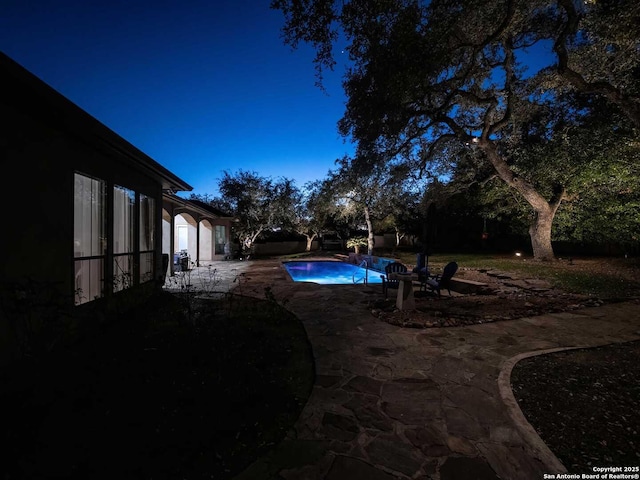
{"x":504,"y":297}
{"x":584,"y":404}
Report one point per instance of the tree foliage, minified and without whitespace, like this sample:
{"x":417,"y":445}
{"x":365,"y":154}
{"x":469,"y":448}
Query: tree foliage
{"x":596,"y":158}
{"x":366,"y":192}
{"x":315,"y":211}
{"x":215,"y":202}
{"x":444,"y":81}
{"x":258,"y":203}
{"x":597,"y":43}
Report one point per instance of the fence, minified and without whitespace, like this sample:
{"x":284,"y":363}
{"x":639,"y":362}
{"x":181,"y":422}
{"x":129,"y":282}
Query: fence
{"x":282,"y":248}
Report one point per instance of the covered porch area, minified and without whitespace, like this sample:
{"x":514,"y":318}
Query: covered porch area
{"x":194,"y":230}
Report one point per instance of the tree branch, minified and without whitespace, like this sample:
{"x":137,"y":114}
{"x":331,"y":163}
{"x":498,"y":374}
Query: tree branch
{"x":628,"y":104}
{"x":509,"y":78}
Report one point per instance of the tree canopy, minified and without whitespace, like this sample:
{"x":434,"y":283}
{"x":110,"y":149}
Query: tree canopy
{"x":446,"y":80}
{"x":258,"y":203}
{"x":314,"y":211}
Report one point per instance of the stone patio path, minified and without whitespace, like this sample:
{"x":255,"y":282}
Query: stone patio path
{"x":213,"y":278}
{"x":436,"y":403}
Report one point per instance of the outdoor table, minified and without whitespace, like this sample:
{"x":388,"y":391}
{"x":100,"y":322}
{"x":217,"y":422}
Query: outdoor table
{"x":405,"y":299}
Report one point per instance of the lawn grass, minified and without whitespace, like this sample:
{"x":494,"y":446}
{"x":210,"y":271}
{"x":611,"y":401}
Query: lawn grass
{"x":582,"y":276}
{"x":158,"y":394}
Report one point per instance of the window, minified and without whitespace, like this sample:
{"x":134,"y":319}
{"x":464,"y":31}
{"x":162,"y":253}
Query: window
{"x":147,"y":238}
{"x":221,"y":239}
{"x":127,"y":257}
{"x":89,"y":242}
{"x":124,"y":217}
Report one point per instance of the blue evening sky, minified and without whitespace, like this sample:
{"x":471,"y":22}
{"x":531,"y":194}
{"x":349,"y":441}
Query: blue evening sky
{"x":200,"y":86}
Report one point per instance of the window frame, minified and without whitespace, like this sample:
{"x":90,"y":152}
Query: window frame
{"x":80,"y":261}
{"x":124,"y":260}
{"x":215,"y":239}
{"x":149,"y":253}
{"x":136,"y":228}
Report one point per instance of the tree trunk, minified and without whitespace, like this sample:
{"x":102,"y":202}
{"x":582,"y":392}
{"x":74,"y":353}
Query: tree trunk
{"x":544,"y":211}
{"x":370,"y":239}
{"x":310,"y":239}
{"x":399,"y":236}
{"x":540,"y":233}
{"x":249,"y":240}
{"x":246,"y":244}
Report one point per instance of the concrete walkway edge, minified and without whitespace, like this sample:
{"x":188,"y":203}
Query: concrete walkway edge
{"x":527,"y":431}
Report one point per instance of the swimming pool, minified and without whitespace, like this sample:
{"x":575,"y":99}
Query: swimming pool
{"x":330,"y":273}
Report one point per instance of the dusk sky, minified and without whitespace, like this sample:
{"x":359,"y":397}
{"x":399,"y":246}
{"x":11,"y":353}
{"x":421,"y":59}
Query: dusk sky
{"x":199,"y":86}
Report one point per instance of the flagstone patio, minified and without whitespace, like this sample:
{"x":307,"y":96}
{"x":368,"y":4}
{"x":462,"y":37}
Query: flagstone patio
{"x":392,"y":402}
{"x":213,"y":278}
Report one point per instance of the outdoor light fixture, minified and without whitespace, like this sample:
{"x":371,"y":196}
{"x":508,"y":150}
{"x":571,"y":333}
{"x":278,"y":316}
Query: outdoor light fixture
{"x":518,"y":254}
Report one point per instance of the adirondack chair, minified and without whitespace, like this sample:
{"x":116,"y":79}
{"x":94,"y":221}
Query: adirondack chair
{"x":422,"y":267}
{"x":438,"y":282}
{"x":395,"y":267}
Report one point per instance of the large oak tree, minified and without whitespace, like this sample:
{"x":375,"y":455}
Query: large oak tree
{"x":429,"y":80}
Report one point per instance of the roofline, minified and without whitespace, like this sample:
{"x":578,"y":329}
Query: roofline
{"x":174,"y":183}
{"x":89,"y":127}
{"x":184,"y":203}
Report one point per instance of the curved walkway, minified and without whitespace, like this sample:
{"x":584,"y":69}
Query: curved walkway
{"x":393,"y":403}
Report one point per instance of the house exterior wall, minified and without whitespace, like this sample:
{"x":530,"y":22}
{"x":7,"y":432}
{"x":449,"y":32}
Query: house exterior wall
{"x":44,"y":141}
{"x":41,"y":158}
{"x":206,"y":241}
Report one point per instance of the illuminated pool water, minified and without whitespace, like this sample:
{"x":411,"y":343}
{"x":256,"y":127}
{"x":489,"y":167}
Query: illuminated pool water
{"x":330,"y":273}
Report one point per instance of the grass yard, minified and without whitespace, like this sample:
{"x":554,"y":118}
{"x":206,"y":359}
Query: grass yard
{"x":606,"y":277}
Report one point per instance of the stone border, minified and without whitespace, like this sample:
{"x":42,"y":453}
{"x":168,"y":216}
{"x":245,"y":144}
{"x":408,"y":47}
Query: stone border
{"x":541,"y":450}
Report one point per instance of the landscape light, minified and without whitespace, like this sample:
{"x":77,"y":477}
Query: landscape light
{"x":518,"y":254}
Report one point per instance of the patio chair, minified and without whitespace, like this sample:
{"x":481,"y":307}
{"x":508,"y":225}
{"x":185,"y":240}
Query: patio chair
{"x":422,"y":262}
{"x":443,"y":280}
{"x":394,"y":267}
